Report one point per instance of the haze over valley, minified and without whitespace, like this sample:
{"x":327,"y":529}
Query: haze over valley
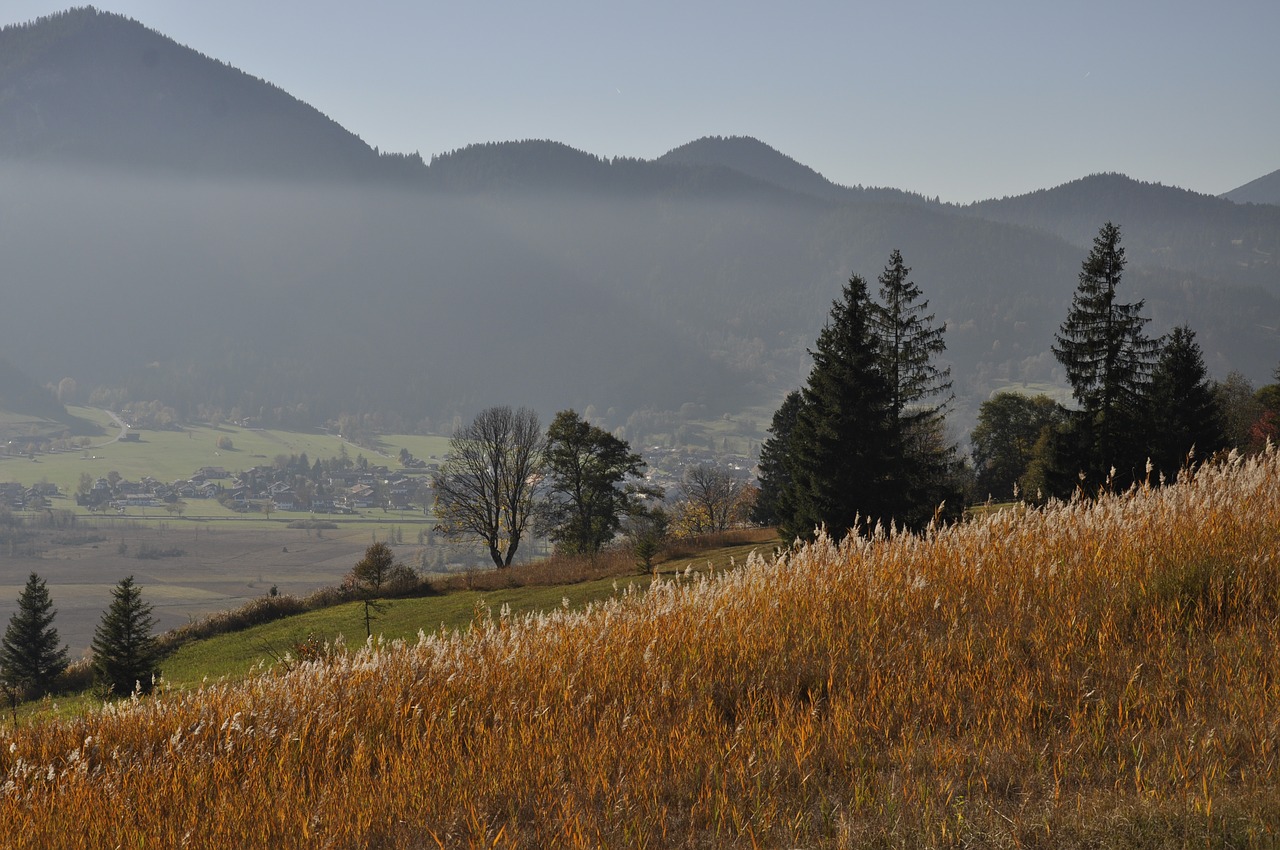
{"x":177,"y":230}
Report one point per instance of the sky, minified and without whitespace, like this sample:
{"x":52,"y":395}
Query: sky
{"x":963,"y":101}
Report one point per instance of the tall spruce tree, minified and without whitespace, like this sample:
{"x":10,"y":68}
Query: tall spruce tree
{"x":844,"y":449}
{"x":920,"y":390}
{"x":772,"y":506}
{"x":1108,"y":360}
{"x":1184,"y":411}
{"x":30,"y":657}
{"x":125,"y":652}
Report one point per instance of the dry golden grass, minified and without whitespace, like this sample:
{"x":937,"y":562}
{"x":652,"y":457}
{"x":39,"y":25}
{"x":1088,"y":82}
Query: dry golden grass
{"x":1088,"y":675}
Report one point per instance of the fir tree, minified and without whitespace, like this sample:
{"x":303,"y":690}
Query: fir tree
{"x":843,"y":448}
{"x":1184,"y":412}
{"x":908,"y":345}
{"x":920,"y":391}
{"x":125,"y":653}
{"x":1108,"y":361}
{"x":30,"y":658}
{"x":772,"y":505}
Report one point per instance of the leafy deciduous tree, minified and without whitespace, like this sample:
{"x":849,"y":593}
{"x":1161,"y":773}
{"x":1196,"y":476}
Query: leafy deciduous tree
{"x":1009,"y":427}
{"x":587,"y":471}
{"x":373,"y":570}
{"x":368,"y":575}
{"x":1240,"y":408}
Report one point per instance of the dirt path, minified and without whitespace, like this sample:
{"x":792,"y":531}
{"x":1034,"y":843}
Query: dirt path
{"x":124,"y":429}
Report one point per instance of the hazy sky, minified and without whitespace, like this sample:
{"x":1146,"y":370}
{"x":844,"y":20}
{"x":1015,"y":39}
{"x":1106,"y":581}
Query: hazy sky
{"x":962,"y":100}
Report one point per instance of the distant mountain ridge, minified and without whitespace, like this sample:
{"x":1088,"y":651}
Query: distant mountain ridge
{"x":326,"y":278}
{"x":1161,"y":225}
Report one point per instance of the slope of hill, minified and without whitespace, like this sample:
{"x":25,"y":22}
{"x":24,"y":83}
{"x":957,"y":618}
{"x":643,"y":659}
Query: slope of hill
{"x":90,"y":86}
{"x":22,"y":396}
{"x":1093,"y":674}
{"x":1264,"y":190}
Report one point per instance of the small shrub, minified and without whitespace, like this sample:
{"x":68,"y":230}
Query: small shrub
{"x":147,"y":552}
{"x":264,"y":609}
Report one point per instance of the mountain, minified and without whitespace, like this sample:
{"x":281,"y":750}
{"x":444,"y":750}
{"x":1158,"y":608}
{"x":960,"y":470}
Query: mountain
{"x":343,"y":282}
{"x":86,"y":86}
{"x":755,"y":159}
{"x":1264,"y":190}
{"x":1161,"y":225}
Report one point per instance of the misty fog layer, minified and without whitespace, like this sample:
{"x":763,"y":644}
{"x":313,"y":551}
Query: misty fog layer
{"x":296,"y":302}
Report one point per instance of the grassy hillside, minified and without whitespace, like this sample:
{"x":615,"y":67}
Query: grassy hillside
{"x":237,"y":654}
{"x":1087,"y":675}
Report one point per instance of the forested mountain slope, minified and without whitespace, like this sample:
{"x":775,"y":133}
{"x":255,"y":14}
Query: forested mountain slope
{"x":87,"y":86}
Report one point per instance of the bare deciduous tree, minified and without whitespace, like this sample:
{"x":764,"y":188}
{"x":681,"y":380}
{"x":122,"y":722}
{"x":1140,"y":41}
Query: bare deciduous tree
{"x":485,"y":488}
{"x":712,"y":492}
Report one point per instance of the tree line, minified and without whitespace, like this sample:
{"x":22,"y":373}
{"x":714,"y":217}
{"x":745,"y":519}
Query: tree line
{"x":864,"y":444}
{"x":1145,"y":410}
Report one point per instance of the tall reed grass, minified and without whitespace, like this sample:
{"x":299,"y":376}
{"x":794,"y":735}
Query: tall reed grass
{"x":1090,"y":674}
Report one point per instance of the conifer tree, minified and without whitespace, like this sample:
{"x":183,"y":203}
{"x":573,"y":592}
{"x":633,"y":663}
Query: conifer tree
{"x":908,"y":345}
{"x":125,"y":652}
{"x":772,"y":506}
{"x":30,"y":657}
{"x":1108,"y":360}
{"x":843,"y":448}
{"x":920,"y":390}
{"x":1184,"y":412}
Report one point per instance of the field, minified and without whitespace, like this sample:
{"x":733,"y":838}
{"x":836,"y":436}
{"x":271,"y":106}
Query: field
{"x":1088,"y":675}
{"x":222,"y":565}
{"x":173,"y":455}
{"x":225,"y":558}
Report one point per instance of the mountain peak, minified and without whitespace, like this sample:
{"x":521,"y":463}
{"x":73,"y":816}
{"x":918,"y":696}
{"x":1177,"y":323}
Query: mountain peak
{"x":752,"y":157}
{"x":98,"y":88}
{"x":1264,"y":190}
